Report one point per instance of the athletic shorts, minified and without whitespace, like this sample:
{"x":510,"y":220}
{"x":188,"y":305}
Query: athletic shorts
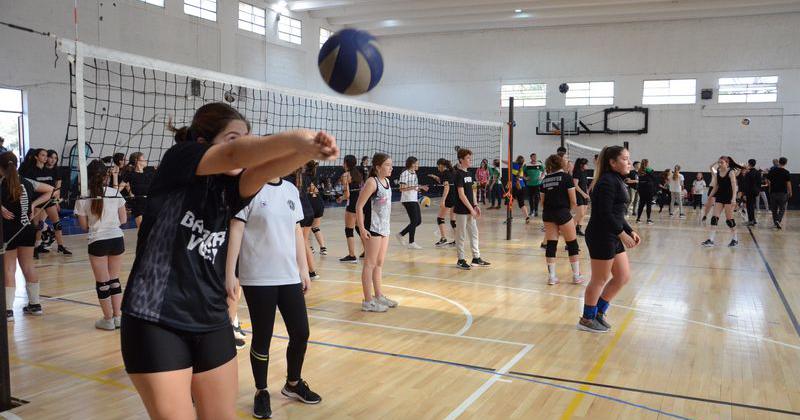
{"x":603,"y":246}
{"x":137,"y":206}
{"x":318,"y":206}
{"x":376,"y":234}
{"x":351,"y":203}
{"x":726,"y":199}
{"x":148,"y":347}
{"x":107,"y":247}
{"x":580,"y":200}
{"x":307,"y":221}
{"x":450,"y":201}
{"x":519,"y":196}
{"x":26,"y":238}
{"x":559,"y":217}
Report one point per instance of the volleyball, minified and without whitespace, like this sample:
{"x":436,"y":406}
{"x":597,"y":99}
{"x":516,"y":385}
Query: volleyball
{"x":350,"y":62}
{"x":426,"y":201}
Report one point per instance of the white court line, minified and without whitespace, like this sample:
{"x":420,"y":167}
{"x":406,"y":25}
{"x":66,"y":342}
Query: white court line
{"x":486,"y":385}
{"x":466,"y":312}
{"x":644,"y":311}
{"x":9,"y":415}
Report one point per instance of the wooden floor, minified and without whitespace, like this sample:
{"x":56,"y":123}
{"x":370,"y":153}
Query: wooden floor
{"x":698,"y":333}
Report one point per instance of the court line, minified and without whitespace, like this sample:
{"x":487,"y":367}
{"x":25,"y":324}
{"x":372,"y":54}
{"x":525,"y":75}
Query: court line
{"x":467,"y":323}
{"x":488,"y":384}
{"x":8,"y":415}
{"x":775,"y":283}
{"x":71,"y":373}
{"x":598,"y":366}
{"x":644,"y":311}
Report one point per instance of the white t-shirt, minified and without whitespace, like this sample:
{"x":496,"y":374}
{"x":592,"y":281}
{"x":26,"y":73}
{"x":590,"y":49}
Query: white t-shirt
{"x":676,"y":185}
{"x":107,"y":225}
{"x":699,"y":186}
{"x":269,"y":248}
{"x":410,"y":180}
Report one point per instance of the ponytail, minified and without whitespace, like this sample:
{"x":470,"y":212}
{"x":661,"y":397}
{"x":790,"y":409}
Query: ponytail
{"x":11,"y":182}
{"x":97,"y":180}
{"x":608,"y":153}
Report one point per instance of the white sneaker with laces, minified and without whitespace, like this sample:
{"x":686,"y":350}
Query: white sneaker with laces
{"x":577,"y":279}
{"x":413,"y":245}
{"x":552,"y":281}
{"x":383,"y":300}
{"x":105,"y":324}
{"x":373,"y":306}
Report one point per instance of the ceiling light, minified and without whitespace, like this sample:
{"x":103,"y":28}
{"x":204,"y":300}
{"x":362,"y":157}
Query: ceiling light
{"x":517,"y":10}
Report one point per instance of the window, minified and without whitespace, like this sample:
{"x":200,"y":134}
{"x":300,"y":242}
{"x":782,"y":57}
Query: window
{"x":159,"y":3}
{"x":532,"y":94}
{"x":11,"y":119}
{"x":590,"y":93}
{"x":252,"y":18}
{"x":682,"y":91}
{"x":290,"y":30}
{"x":324,"y":34}
{"x":206,"y":9}
{"x":748,"y":89}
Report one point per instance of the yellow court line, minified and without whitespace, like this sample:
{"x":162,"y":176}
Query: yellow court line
{"x":105,"y":372}
{"x":598,"y":366}
{"x":71,"y":373}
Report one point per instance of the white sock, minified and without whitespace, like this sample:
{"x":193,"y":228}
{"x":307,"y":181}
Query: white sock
{"x":235,"y":321}
{"x":735,"y":236}
{"x":33,"y":293}
{"x":576,"y":268}
{"x":712,"y":235}
{"x":10,"y":293}
{"x":551,"y":270}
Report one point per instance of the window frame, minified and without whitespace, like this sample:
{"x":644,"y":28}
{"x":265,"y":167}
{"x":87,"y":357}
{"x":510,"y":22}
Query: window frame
{"x":252,"y":15}
{"x":295,"y":34}
{"x":523,"y":95}
{"x":203,"y":13}
{"x":589,"y":99}
{"x":756,"y":83}
{"x":669,"y":87}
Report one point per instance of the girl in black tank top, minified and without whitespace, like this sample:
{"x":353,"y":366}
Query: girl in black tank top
{"x":724,"y":191}
{"x":351,"y":181}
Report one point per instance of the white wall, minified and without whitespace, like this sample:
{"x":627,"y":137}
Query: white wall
{"x":133,"y":26}
{"x":461,"y":74}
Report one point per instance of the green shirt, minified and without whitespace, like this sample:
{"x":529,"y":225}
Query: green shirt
{"x":534,"y":173}
{"x":494,"y":173}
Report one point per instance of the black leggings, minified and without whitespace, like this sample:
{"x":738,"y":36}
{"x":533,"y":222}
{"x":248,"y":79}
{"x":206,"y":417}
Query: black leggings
{"x":261,"y":302}
{"x":496,"y":193}
{"x":414,"y":217}
{"x":533,"y":198}
{"x":645,"y":199}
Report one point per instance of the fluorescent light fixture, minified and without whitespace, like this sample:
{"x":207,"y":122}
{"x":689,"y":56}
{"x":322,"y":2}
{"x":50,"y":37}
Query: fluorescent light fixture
{"x":517,"y":10}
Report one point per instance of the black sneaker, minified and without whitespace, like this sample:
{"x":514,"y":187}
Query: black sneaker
{"x":362,"y":255}
{"x":262,"y":409}
{"x":313,"y":275}
{"x":32,"y":309}
{"x":240,"y":343}
{"x":451,"y":243}
{"x":350,"y":259}
{"x":462,"y":264}
{"x":62,"y":250}
{"x":478,"y":262}
{"x":707,"y":243}
{"x":41,"y":249}
{"x":9,"y":315}
{"x":778,"y":225}
{"x":301,"y":392}
{"x":441,"y":242}
{"x":601,"y":318}
{"x":323,"y":251}
{"x":733,"y":243}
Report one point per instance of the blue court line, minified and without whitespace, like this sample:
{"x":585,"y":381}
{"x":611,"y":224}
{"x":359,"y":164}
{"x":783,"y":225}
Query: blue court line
{"x":775,"y":283}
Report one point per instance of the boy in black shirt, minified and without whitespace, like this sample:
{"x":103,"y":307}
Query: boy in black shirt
{"x":780,"y":191}
{"x":466,"y":212}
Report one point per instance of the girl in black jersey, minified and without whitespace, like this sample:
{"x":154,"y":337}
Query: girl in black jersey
{"x":607,"y":236}
{"x":35,"y":168}
{"x":581,"y":182}
{"x":317,"y":205}
{"x":302,"y":181}
{"x":19,"y":237}
{"x":647,"y":190}
{"x":724,"y":192}
{"x":177,"y":343}
{"x":136,"y":180}
{"x":351,"y":181}
{"x":558,"y":199}
{"x":445,"y":178}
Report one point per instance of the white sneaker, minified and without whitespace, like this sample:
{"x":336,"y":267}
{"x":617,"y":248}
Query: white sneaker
{"x":373,"y":306}
{"x":400,"y":240}
{"x":552,"y":281}
{"x":117,"y":321}
{"x":105,"y":324}
{"x":577,"y":279}
{"x":413,"y":245}
{"x":383,"y":300}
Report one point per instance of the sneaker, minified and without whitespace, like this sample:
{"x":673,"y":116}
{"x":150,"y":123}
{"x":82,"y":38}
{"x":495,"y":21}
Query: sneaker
{"x":451,"y":243}
{"x":350,"y":259}
{"x":591,"y":325}
{"x":413,"y":245}
{"x":577,"y":279}
{"x":105,"y":324}
{"x":579,"y":232}
{"x":62,"y":250}
{"x":400,"y":240}
{"x":638,"y":221}
{"x":778,"y":225}
{"x":552,"y":281}
{"x":301,"y":392}
{"x":261,"y":406}
{"x":682,"y":216}
{"x":383,"y":300}
{"x":117,"y":322}
{"x":543,"y":245}
{"x":707,"y":243}
{"x":601,"y":318}
{"x":527,"y":220}
{"x":442,"y":242}
{"x":478,"y":262}
{"x":32,"y":309}
{"x":733,"y":243}
{"x":313,"y":275}
{"x":323,"y":251}
{"x":42,"y":249}
{"x":362,"y":255}
{"x":373,"y":306}
{"x":238,"y":333}
{"x":240,"y":343}
{"x":9,"y":315}
{"x":462,"y":264}
{"x":650,"y":221}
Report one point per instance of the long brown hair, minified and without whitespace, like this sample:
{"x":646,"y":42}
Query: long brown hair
{"x":643,"y":166}
{"x":377,"y":160}
{"x":554,"y":163}
{"x":351,"y":166}
{"x":608,"y":154}
{"x":8,"y":162}
{"x":676,"y":174}
{"x":98,"y":176}
{"x":208,"y":121}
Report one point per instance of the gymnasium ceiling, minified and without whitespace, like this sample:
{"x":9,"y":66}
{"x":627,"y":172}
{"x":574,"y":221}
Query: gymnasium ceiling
{"x":400,"y":17}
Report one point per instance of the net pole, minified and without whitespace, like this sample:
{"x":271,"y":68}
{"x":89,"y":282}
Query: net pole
{"x":510,"y":153}
{"x":80,"y":118}
{"x":563,"y":135}
{"x":5,"y":369}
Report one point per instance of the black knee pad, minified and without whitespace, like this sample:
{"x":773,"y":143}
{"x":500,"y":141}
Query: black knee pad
{"x":453,"y":224}
{"x":348,"y":232}
{"x":315,"y":229}
{"x":57,"y":225}
{"x":115,"y":287}
{"x":573,"y":248}
{"x":103,"y":290}
{"x":550,"y":251}
{"x":714,"y":220}
{"x":440,"y":220}
{"x":731,"y":223}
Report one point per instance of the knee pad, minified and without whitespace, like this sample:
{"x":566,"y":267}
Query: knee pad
{"x":57,"y":225}
{"x":440,"y":220}
{"x":714,"y":220}
{"x":348,"y":232}
{"x":103,"y":290}
{"x":453,"y":224}
{"x":731,"y":223}
{"x":550,"y":251}
{"x":315,"y":229}
{"x":573,"y":248}
{"x":115,"y":287}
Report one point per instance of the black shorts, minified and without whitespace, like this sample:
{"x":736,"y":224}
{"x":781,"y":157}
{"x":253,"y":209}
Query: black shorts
{"x":450,"y":201}
{"x":559,"y":217}
{"x":376,"y":234}
{"x":26,"y":238}
{"x":519,"y":196}
{"x":603,"y":246}
{"x":107,"y":247}
{"x":148,"y":347}
{"x":307,"y":221}
{"x":580,"y":200}
{"x":318,"y":206}
{"x":351,"y":203}
{"x":137,"y":206}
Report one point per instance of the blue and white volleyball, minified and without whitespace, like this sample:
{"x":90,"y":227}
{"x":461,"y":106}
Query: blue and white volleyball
{"x":350,"y":62}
